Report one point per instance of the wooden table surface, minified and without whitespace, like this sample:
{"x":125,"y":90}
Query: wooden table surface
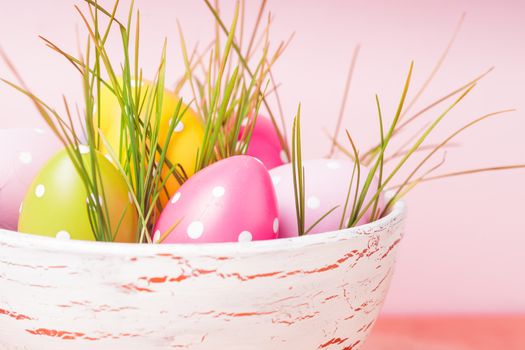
{"x":448,"y":333}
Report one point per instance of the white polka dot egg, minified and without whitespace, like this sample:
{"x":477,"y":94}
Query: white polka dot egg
{"x":326,"y":187}
{"x":57,"y":202}
{"x":22,"y":153}
{"x":232,"y":200}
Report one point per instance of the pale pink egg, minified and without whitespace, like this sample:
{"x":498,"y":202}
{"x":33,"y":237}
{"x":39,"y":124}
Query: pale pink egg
{"x":231,"y":200}
{"x":265,"y":144}
{"x":326,"y":187}
{"x":23,"y":152}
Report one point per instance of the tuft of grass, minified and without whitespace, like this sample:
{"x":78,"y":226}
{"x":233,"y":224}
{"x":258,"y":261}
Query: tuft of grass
{"x":298,"y":178}
{"x":253,"y":80}
{"x":140,"y":157}
{"x":228,"y":95}
{"x":379,"y":155}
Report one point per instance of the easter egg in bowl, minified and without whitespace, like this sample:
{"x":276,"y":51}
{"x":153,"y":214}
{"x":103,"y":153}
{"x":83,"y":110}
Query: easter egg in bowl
{"x":185,"y":141}
{"x":326,"y":192}
{"x":57,"y":203}
{"x":264,"y":142}
{"x":228,"y":201}
{"x":22,"y":153}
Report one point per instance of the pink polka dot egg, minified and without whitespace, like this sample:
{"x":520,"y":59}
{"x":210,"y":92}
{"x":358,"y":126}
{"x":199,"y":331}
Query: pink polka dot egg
{"x":265,"y":144}
{"x":23,"y":152}
{"x":231,"y":200}
{"x":326,"y":187}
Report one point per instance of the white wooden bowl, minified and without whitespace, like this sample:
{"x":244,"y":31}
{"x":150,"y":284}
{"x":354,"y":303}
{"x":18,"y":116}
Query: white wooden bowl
{"x":322,"y":291}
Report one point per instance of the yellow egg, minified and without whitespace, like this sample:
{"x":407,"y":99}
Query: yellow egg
{"x":185,"y":140}
{"x":56,"y":204}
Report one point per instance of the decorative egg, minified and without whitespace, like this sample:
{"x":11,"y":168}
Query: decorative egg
{"x":265,"y":144}
{"x":228,"y":201}
{"x":22,"y":153}
{"x":326,"y":187}
{"x":185,"y":141}
{"x":56,"y":204}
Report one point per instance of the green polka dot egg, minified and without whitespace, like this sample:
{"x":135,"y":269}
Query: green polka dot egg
{"x":56,"y":204}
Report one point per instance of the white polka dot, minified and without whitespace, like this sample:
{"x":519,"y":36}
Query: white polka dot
{"x":195,"y":229}
{"x":25,"y":157}
{"x":179,"y":127}
{"x":100,"y":201}
{"x":63,"y":235}
{"x":40,"y":190}
{"x":284,"y":157}
{"x":245,"y":236}
{"x":156,"y":237}
{"x":275,"y":225}
{"x":276,"y":180}
{"x":218,"y":191}
{"x":175,"y":198}
{"x":155,"y":169}
{"x":313,"y":202}
{"x":333,"y":164}
{"x":83,"y":149}
{"x":39,"y":131}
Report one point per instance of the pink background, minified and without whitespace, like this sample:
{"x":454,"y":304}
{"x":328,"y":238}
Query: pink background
{"x":463,"y":250}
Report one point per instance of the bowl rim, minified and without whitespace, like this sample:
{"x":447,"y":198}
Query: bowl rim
{"x":15,"y":239}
